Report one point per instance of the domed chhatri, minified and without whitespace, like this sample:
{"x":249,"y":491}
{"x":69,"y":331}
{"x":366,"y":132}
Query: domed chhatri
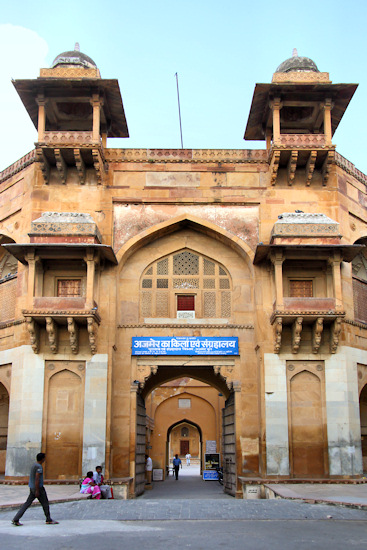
{"x":296,"y":63}
{"x":74,"y":58}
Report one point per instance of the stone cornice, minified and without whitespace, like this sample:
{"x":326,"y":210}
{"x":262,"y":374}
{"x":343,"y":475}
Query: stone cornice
{"x":18,"y":166}
{"x":349,"y":167}
{"x":11,"y":323}
{"x":192,"y":156}
{"x":355,"y":323}
{"x":184,"y":326}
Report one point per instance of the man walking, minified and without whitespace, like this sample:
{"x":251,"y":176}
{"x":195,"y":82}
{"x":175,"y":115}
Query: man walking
{"x":36,"y":490}
{"x":176,"y":465}
{"x":188,"y":458}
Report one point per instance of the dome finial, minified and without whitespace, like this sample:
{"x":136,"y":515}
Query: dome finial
{"x":76,"y":47}
{"x":294,"y":53}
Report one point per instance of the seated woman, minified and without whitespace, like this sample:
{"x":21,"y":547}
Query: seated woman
{"x":89,"y":486}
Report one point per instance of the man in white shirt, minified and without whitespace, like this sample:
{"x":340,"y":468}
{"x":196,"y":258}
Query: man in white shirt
{"x":148,"y":468}
{"x":188,"y":458}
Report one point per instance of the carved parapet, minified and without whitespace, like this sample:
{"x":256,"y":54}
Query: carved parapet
{"x":68,"y":138}
{"x":34,"y":332}
{"x":52,"y":332}
{"x":296,"y":334}
{"x":278,"y":328}
{"x":302,"y":141}
{"x":317,"y":334}
{"x":92,"y":334}
{"x":73,"y":334}
{"x":334,"y":334}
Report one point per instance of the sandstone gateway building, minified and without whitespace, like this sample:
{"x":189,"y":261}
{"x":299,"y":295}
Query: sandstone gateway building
{"x":183,"y":300}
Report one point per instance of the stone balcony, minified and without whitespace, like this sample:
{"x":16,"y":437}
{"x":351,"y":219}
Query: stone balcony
{"x":301,"y":154}
{"x":54,"y":313}
{"x":69,"y":149}
{"x":298,"y":312}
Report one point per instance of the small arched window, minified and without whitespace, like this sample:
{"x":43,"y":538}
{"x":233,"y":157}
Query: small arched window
{"x":185,"y":285}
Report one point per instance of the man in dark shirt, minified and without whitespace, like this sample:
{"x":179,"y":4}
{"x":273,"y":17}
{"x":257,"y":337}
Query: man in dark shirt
{"x":36,"y":490}
{"x":176,"y":465}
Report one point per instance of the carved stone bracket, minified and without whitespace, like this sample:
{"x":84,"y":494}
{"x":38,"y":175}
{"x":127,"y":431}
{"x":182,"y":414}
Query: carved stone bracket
{"x":292,"y":165}
{"x":34,"y":332}
{"x":98,"y":165}
{"x":92,"y":334}
{"x":80,"y":165}
{"x":274,"y":165}
{"x":44,"y":165}
{"x":278,"y":327}
{"x":310,"y":167}
{"x":334,"y":334}
{"x":52,"y":332}
{"x":296,"y":334}
{"x":73,"y":334}
{"x":61,"y":165}
{"x":317,"y":334}
{"x":326,"y":166}
{"x":143,"y":373}
{"x":226,"y":371}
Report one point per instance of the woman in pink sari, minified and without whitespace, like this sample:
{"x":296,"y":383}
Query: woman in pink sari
{"x":89,"y":486}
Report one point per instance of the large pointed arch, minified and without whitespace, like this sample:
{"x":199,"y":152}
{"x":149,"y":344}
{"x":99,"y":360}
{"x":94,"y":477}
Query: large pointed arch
{"x":181,"y":222}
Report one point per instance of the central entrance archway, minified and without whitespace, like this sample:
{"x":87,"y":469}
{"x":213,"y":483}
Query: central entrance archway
{"x":181,"y":396}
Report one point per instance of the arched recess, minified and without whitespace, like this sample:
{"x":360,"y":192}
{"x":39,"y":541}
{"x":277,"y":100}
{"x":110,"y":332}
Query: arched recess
{"x":359,"y":274}
{"x":64,"y":425}
{"x":4,"y":415}
{"x":8,"y":281}
{"x":192,"y":451}
{"x":307,"y":426}
{"x":363,"y":417}
{"x":181,"y":222}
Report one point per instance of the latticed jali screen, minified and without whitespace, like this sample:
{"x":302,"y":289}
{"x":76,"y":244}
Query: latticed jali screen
{"x":69,"y":287}
{"x":300,"y":288}
{"x":7,"y":300}
{"x":185,"y":278}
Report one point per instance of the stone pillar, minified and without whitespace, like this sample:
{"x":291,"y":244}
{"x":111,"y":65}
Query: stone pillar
{"x":32,"y":260}
{"x":25,"y":410}
{"x":328,"y":105}
{"x":41,"y":101}
{"x":276,"y":105}
{"x":95,"y":412}
{"x":337,"y":283}
{"x":96,"y":104}
{"x":277,"y":260}
{"x":90,"y":261}
{"x":342,"y":409}
{"x":276,"y":415}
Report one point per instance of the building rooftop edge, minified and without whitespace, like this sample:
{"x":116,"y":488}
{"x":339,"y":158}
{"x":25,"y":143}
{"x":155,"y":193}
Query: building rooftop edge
{"x":181,"y":155}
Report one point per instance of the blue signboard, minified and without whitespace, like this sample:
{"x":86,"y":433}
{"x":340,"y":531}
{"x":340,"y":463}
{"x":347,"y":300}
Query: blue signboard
{"x":209,"y":475}
{"x":184,"y":345}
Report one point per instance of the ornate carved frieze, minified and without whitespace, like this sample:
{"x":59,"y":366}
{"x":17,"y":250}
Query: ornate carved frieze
{"x":301,"y":141}
{"x":70,"y":72}
{"x":33,"y":329}
{"x":296,"y":334}
{"x":52,"y":332}
{"x":301,"y":76}
{"x":237,"y":156}
{"x":317,"y":334}
{"x":300,"y":224}
{"x":65,"y":223}
{"x":18,"y":166}
{"x":73,"y":334}
{"x":68,"y":138}
{"x":186,"y":325}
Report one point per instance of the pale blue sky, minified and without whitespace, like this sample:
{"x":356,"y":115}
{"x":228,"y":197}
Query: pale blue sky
{"x":219,"y":49}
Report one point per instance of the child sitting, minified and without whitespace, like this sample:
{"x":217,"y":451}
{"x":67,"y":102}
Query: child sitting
{"x":89,"y":486}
